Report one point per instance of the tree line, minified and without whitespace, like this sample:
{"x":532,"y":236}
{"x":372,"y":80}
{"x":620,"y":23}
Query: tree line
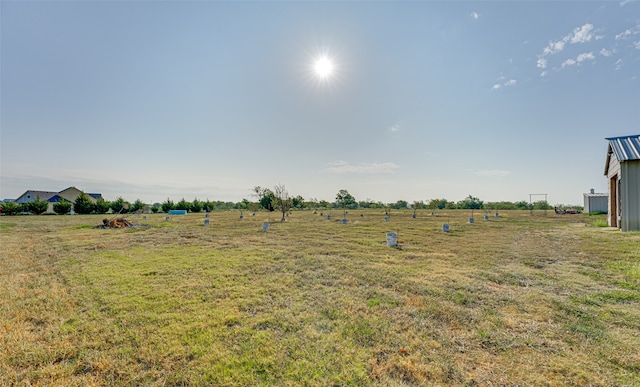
{"x":276,"y":199}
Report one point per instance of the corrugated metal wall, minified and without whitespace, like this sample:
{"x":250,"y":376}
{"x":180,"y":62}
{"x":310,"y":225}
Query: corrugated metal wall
{"x":596,"y":203}
{"x":630,"y":195}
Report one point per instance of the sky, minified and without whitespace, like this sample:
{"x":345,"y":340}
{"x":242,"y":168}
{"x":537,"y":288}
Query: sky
{"x":208,"y":99}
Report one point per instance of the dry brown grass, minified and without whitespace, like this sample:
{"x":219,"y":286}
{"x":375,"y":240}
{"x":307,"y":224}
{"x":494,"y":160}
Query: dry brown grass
{"x":517,"y":300}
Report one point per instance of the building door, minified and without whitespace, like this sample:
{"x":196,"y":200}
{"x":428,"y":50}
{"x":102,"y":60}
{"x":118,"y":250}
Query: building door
{"x":613,"y":201}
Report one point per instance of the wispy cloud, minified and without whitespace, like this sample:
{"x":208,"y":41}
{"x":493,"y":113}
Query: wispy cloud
{"x":579,"y":59}
{"x":340,"y":167}
{"x":395,"y":128}
{"x":619,"y":63}
{"x":605,"y":52}
{"x":628,"y":32}
{"x":542,"y":63}
{"x":585,"y":56}
{"x":492,"y":173}
{"x":475,"y":15}
{"x":582,"y":34}
{"x":554,"y":47}
{"x":509,"y":83}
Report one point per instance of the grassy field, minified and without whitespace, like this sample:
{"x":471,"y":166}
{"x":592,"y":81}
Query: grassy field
{"x":515,"y":300}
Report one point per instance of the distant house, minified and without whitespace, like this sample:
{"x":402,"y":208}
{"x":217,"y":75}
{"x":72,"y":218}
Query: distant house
{"x":31,"y":196}
{"x":70,"y":194}
{"x":596,"y":202}
{"x":622,"y":169}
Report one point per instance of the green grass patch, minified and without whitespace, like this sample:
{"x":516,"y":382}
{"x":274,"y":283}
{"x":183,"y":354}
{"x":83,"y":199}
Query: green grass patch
{"x":4,"y":226}
{"x":600,"y":223}
{"x":82,"y":227}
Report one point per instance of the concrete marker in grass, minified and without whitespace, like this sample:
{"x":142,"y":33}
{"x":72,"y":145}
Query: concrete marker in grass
{"x":392,"y":239}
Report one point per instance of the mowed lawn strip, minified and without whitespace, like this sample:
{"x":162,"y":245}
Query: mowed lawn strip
{"x":518,"y":299}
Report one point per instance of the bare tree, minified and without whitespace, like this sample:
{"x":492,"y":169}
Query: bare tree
{"x":281,"y":199}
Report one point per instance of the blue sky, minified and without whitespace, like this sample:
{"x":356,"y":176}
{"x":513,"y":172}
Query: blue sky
{"x":207,"y":99}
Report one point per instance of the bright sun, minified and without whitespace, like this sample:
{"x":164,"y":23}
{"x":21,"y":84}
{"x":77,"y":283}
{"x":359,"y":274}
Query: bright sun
{"x":323,"y":67}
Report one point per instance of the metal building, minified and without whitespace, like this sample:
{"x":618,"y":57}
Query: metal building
{"x":622,"y":169}
{"x":596,"y":202}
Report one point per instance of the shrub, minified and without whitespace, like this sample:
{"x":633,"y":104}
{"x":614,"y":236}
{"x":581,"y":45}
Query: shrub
{"x":83,"y":205}
{"x":11,"y":208}
{"x":208,"y":205}
{"x":267,"y":200}
{"x":62,"y":207}
{"x":196,"y":206}
{"x":119,"y":206}
{"x":168,"y":205}
{"x":137,"y":206}
{"x":37,"y":206}
{"x":183,"y":205}
{"x":470,"y":203}
{"x":102,"y":206}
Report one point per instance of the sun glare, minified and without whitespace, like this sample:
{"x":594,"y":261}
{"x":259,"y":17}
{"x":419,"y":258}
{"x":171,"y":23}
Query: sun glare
{"x":323,"y":67}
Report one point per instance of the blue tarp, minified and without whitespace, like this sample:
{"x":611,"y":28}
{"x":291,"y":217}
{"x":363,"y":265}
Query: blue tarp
{"x":177,"y":212}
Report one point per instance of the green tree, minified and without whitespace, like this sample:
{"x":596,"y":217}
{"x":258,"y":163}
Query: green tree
{"x":183,"y":205}
{"x":324,"y":204}
{"x":399,"y":205}
{"x":83,"y":205}
{"x":470,"y":203}
{"x":196,"y":205}
{"x":37,"y":206}
{"x":312,"y":203}
{"x":102,"y":206}
{"x":208,"y":205}
{"x":345,"y":200}
{"x":242,"y":205}
{"x":119,"y":206}
{"x":542,"y":205}
{"x":168,"y":205}
{"x":62,"y":207}
{"x":265,"y":197}
{"x":500,"y":205}
{"x":297,"y":202}
{"x":418,"y":205}
{"x":11,"y":208}
{"x":138,"y":205}
{"x":437,"y":204}
{"x":364,"y":204}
